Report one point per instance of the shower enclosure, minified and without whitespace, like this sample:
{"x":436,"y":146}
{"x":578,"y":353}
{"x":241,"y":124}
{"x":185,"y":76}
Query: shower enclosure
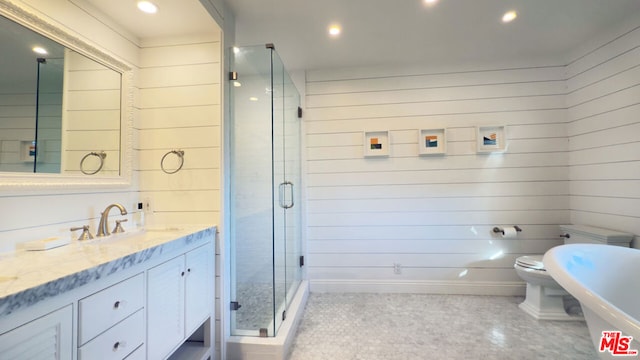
{"x":49,"y":102}
{"x":265,"y":214}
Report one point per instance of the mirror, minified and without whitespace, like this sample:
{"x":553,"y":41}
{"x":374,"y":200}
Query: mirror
{"x":65,"y":112}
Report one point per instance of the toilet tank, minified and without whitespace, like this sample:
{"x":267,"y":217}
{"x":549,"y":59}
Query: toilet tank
{"x":581,"y":234}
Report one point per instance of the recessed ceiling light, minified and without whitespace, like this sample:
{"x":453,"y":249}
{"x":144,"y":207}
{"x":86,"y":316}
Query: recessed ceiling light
{"x":148,"y":7}
{"x":253,"y":98}
{"x":39,"y":50}
{"x":509,"y":16}
{"x":236,"y":49}
{"x":335,"y":30}
{"x":237,"y":83}
{"x":430,"y":2}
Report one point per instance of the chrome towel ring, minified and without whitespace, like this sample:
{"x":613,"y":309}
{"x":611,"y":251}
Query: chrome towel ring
{"x":179,"y":154}
{"x":100,"y":155}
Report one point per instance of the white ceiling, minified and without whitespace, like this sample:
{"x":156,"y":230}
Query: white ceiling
{"x":174,"y":17}
{"x":388,"y":32}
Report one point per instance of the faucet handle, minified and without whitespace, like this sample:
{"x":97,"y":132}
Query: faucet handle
{"x":86,"y":234}
{"x":118,"y":228}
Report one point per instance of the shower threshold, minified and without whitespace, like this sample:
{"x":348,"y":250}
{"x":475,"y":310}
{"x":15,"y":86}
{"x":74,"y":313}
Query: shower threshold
{"x":276,"y":348}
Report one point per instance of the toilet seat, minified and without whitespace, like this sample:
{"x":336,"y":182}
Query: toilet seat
{"x":531,"y":269}
{"x":533,"y":262}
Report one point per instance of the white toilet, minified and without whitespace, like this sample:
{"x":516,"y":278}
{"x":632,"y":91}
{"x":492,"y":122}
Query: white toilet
{"x":544,"y":297}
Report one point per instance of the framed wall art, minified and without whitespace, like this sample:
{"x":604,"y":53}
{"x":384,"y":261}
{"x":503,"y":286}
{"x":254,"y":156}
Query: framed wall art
{"x":491,"y":139}
{"x":376,"y":143}
{"x":432,"y":141}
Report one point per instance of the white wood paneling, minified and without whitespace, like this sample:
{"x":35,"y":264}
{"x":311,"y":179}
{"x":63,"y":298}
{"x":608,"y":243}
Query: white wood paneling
{"x":180,"y":97}
{"x":603,"y":129}
{"x":400,"y":109}
{"x":433,"y":216}
{"x":395,"y":122}
{"x":605,"y":53}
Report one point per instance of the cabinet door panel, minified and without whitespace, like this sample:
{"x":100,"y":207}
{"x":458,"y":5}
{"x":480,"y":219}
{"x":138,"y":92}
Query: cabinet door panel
{"x":165,"y":306}
{"x":47,"y":337}
{"x":199,"y":282}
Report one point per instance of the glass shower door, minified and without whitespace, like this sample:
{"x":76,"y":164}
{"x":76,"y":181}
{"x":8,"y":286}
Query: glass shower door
{"x":292,"y":173}
{"x":286,"y":150}
{"x":251,"y":186}
{"x":264,"y":139}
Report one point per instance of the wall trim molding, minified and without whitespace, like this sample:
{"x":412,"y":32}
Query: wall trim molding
{"x":498,"y":288}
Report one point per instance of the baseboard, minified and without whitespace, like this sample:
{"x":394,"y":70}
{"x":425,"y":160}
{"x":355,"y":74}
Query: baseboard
{"x":499,"y":288}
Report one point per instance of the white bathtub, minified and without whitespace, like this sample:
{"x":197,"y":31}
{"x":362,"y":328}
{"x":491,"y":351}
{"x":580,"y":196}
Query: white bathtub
{"x":605,"y":279}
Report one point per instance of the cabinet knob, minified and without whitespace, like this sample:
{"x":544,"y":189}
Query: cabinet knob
{"x":189,"y":270}
{"x":118,"y":345}
{"x":182,"y":274}
{"x":116,"y":305}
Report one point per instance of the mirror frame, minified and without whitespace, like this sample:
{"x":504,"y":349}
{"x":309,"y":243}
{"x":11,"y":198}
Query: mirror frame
{"x":35,"y":181}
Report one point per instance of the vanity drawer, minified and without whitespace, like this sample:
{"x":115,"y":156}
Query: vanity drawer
{"x":117,"y":342}
{"x":100,"y":311}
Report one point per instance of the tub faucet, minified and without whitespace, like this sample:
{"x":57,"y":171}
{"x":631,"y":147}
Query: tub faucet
{"x":103,"y":227}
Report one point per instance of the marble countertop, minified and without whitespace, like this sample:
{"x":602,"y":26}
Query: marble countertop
{"x":27,"y":277}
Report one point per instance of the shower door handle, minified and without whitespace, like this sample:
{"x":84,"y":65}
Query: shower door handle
{"x":283,"y":203}
{"x":290,"y":186}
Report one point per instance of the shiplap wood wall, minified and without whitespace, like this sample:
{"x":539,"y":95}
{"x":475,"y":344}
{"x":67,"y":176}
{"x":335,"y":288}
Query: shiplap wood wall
{"x":17,"y":125}
{"x":572,"y":157}
{"x":18,"y":128}
{"x":181,"y":109}
{"x":180,"y":99}
{"x":604,"y":134}
{"x":433,"y":215}
{"x":91,"y":116}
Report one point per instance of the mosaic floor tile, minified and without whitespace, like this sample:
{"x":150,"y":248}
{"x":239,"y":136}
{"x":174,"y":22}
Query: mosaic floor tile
{"x":417,"y":326}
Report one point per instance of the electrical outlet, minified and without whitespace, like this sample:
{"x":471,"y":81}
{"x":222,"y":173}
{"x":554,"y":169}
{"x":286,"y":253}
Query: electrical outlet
{"x":147,"y":205}
{"x":397,"y":268}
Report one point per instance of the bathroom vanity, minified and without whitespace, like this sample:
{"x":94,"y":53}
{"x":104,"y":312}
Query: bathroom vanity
{"x":141,"y":295}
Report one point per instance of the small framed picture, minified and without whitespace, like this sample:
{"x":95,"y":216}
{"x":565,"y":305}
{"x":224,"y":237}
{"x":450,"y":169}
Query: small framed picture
{"x":491,"y":139}
{"x":376,"y":143}
{"x":432,"y":141}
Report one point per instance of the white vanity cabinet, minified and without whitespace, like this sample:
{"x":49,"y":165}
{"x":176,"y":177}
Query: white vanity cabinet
{"x":111,"y":321}
{"x":148,"y":297}
{"x":179,"y":301}
{"x":47,"y":337}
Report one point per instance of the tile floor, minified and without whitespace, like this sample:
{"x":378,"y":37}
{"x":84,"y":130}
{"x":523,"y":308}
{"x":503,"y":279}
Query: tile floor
{"x":411,"y":326}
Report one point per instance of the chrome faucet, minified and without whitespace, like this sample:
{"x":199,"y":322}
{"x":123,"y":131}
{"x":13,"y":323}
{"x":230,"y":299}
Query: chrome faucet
{"x":103,"y":227}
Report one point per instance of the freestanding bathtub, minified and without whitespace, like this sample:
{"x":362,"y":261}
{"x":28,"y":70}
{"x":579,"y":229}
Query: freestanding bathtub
{"x":605,"y":279}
